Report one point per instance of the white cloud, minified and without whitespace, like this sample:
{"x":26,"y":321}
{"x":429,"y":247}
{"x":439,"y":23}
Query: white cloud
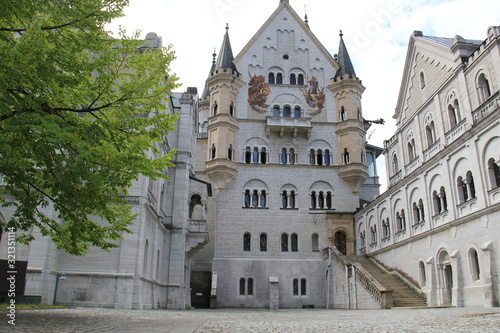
{"x":376,"y":34}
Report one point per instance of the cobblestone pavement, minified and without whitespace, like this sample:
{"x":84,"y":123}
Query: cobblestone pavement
{"x":85,"y":320}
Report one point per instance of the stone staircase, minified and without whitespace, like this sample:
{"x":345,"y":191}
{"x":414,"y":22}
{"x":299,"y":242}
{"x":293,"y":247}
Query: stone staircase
{"x":403,"y":296}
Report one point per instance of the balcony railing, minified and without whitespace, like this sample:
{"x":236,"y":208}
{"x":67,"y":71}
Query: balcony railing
{"x":488,"y":107}
{"x":289,"y":125}
{"x":456,"y":132}
{"x":409,"y":168}
{"x":432,"y":150}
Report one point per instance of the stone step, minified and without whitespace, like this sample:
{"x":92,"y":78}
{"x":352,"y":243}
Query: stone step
{"x":401,"y":294}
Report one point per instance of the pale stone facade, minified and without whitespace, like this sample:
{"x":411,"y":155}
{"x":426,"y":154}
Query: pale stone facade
{"x":437,"y":220}
{"x":272,"y":169}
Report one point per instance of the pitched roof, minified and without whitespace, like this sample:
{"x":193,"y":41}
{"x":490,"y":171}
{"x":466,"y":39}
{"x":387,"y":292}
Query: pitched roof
{"x":225,"y":59}
{"x":344,"y":61}
{"x":206,"y":93}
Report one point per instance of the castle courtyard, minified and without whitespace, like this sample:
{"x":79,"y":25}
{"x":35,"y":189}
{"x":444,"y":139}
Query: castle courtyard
{"x":83,"y":320}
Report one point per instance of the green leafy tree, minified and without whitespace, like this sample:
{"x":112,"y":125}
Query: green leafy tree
{"x":79,"y":114}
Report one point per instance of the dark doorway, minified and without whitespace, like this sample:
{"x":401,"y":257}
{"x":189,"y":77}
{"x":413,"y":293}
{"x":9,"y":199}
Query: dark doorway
{"x":448,"y":276}
{"x":340,"y":242}
{"x":201,"y":283}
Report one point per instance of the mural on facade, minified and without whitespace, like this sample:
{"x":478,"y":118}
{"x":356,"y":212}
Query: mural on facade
{"x":257,"y":93}
{"x":315,"y":97}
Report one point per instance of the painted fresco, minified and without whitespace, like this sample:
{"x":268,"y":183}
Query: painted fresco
{"x":315,"y":97}
{"x":257,"y":93}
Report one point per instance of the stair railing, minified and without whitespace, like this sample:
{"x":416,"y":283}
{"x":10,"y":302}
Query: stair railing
{"x":379,"y":293}
{"x":414,"y":288}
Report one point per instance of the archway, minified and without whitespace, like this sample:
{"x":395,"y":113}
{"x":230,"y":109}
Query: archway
{"x":340,"y":241}
{"x":446,"y":274}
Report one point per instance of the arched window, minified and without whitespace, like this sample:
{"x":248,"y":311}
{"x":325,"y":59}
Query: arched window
{"x":212,"y":151}
{"x":292,"y":156}
{"x":436,"y":200}
{"x":463,"y":196}
{"x":328,"y":200}
{"x":442,"y":196}
{"x":421,"y":270}
{"x":247,"y":242}
{"x":403,"y":220}
{"x":303,"y":287}
{"x":283,"y":156}
{"x":248,"y":155}
{"x":215,"y":108}
{"x":386,"y":229}
{"x":293,"y":79}
{"x":287,"y":111}
{"x":431,"y":133}
{"x":312,"y":157}
{"x":263,"y":155}
{"x":474,"y":265}
{"x":483,"y":89}
{"x":294,"y":242}
{"x":279,"y":78}
{"x":295,"y":287}
{"x":362,"y":239}
{"x":263,"y":242}
{"x":470,"y":184}
{"x":395,"y":166}
{"x":327,"y":157}
{"x":276,"y":111}
{"x":319,"y":157}
{"x":346,"y":156}
{"x":422,"y":80}
{"x":255,"y":155}
{"x":454,"y":113}
{"x":230,"y":152}
{"x":255,"y":199}
{"x":360,"y":118}
{"x":343,"y":116}
{"x":313,"y":200}
{"x":284,"y":242}
{"x":250,"y":286}
{"x":247,"y":198}
{"x":494,"y":173}
{"x":300,"y":79}
{"x":373,"y":231}
{"x":271,"y":78}
{"x":416,"y":214}
{"x":315,"y":242}
{"x":411,"y":150}
{"x":231,"y":109}
{"x":145,"y":258}
{"x":292,"y":199}
{"x":242,"y":286}
{"x":263,"y":199}
{"x":297,"y":112}
{"x":284,"y":200}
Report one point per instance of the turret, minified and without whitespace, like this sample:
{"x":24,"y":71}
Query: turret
{"x":347,"y":89}
{"x":223,"y":86}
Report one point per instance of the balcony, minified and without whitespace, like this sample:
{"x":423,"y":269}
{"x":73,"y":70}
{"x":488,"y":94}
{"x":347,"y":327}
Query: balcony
{"x":486,"y":108}
{"x":289,"y":125}
{"x":432,"y":150}
{"x":456,"y":132}
{"x":409,"y":168}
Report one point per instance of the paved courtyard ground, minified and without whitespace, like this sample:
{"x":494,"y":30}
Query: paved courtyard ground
{"x":83,"y":320}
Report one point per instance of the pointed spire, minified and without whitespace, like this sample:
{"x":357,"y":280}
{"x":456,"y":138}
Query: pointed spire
{"x":344,"y":60}
{"x":206,"y":93}
{"x":306,"y":21}
{"x":225,"y":59}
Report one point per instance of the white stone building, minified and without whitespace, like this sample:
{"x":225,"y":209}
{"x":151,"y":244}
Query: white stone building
{"x":270,"y":202}
{"x":438,"y":219}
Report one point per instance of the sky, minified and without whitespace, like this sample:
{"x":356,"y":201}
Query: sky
{"x":376,"y":34}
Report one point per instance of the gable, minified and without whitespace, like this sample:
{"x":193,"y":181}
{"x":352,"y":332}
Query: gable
{"x":429,"y":63}
{"x":285,"y":46}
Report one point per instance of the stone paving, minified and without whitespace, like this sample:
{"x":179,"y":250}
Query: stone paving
{"x":83,"y":320}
